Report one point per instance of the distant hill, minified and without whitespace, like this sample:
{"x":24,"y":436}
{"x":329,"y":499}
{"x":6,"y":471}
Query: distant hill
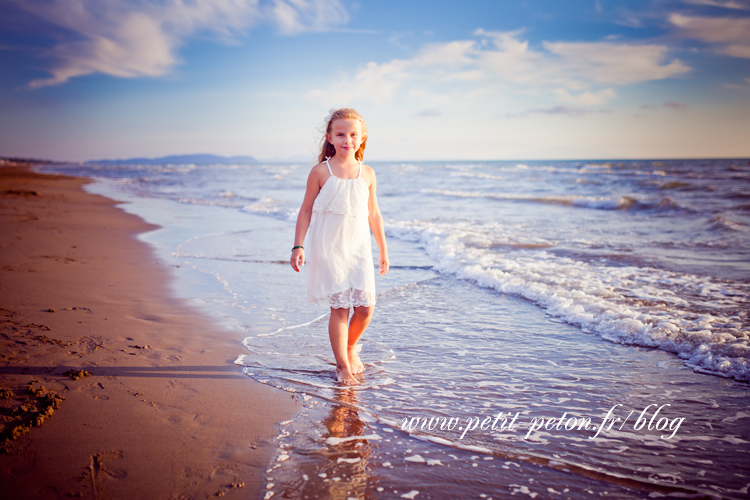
{"x":203,"y":159}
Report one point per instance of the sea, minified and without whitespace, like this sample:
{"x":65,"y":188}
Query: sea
{"x":548,"y":329}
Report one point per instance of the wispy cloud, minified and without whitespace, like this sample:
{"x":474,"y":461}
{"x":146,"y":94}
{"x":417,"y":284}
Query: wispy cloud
{"x":616,"y":63}
{"x":140,"y":38}
{"x":429,"y":113}
{"x":298,"y":16}
{"x":395,"y":40}
{"x":587,"y":98}
{"x":675,"y":105}
{"x":630,"y":22}
{"x":558,"y":110}
{"x":570,"y":72}
{"x":669,"y":105}
{"x":730,"y":35}
{"x":741,"y":86}
{"x":726,"y":4}
{"x":561,"y":110}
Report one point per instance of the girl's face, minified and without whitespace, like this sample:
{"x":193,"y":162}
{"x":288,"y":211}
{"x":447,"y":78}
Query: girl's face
{"x":346,"y":136}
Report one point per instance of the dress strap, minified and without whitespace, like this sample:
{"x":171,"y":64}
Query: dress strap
{"x":360,"y":170}
{"x":329,"y":165}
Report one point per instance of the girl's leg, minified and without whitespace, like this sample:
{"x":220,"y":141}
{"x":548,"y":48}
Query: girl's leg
{"x":357,"y":326}
{"x":337,"y":332}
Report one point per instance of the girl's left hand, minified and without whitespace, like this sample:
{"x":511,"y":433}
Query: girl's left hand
{"x":384,"y":263}
{"x":298,"y":259}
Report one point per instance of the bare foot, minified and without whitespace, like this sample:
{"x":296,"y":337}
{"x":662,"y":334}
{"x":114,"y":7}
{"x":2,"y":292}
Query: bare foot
{"x":344,"y":376}
{"x":354,"y":361}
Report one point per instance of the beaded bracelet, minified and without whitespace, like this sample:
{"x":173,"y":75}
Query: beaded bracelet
{"x":296,"y":247}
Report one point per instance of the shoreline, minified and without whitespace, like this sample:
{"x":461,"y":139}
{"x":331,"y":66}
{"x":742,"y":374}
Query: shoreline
{"x":165,"y":412}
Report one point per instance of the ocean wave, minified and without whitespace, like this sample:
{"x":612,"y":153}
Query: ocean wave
{"x":723,"y":223}
{"x":738,"y":195}
{"x":595,"y":182}
{"x":682,"y":185}
{"x":619,"y":169}
{"x":203,"y":201}
{"x":478,"y":175}
{"x":596,"y":167}
{"x":702,"y":320}
{"x":596,"y":202}
{"x":577,"y":169}
{"x":271,"y":207}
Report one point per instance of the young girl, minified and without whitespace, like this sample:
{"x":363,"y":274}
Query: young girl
{"x":339,"y":205}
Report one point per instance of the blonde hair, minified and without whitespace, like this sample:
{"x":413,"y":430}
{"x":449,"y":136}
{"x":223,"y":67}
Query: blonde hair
{"x":327,"y":149}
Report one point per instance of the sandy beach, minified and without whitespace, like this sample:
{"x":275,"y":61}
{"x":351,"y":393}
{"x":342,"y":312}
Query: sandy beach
{"x":159,"y":410}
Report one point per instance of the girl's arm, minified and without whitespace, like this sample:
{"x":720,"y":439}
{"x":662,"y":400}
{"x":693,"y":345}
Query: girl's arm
{"x":376,"y":224}
{"x":303,"y":218}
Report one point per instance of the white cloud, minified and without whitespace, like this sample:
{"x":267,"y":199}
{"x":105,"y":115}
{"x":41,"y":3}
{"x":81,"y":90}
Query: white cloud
{"x":679,"y":106}
{"x":429,"y":113}
{"x":616,"y":63}
{"x":135,"y":38}
{"x":298,"y":16}
{"x":395,"y":40}
{"x":494,"y":62}
{"x":630,"y":22}
{"x":561,"y":110}
{"x":587,"y":98}
{"x":732,"y":35}
{"x":741,"y":86}
{"x":675,"y":105}
{"x":726,"y":4}
{"x":558,"y":110}
{"x":742,"y":51}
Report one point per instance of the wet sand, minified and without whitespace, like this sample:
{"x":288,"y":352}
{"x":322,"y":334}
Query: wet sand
{"x":159,"y":410}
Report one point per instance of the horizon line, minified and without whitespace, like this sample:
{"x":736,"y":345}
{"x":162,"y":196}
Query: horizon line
{"x":262,"y":160}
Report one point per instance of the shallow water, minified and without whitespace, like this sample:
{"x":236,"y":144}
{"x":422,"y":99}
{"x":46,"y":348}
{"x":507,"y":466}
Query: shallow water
{"x":539,"y":290}
{"x":502,"y":356}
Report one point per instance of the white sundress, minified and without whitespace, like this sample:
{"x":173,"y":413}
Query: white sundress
{"x":341,"y":271}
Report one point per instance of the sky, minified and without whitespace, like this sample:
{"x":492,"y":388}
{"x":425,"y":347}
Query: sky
{"x":434,"y":80}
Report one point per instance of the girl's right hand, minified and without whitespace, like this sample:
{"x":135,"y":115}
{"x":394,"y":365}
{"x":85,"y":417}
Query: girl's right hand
{"x":298,"y":259}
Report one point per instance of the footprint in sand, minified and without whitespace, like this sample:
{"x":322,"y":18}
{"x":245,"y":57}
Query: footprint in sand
{"x":97,"y":472}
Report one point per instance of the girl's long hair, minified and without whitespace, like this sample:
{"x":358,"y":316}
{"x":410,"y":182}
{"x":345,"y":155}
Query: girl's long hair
{"x":327,"y":149}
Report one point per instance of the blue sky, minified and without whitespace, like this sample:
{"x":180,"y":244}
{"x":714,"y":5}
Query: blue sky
{"x":464,"y":80}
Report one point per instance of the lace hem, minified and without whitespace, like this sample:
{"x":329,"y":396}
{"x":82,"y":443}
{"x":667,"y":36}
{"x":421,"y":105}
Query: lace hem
{"x":347,"y":299}
{"x":340,"y":212}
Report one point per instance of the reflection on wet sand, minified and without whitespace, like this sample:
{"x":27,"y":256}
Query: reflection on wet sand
{"x":338,"y":461}
{"x":349,"y":449}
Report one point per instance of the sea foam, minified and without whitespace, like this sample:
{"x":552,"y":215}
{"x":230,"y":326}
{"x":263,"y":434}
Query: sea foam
{"x":702,"y":320}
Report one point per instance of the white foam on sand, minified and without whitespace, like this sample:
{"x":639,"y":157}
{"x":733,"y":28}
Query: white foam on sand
{"x":336,"y":440}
